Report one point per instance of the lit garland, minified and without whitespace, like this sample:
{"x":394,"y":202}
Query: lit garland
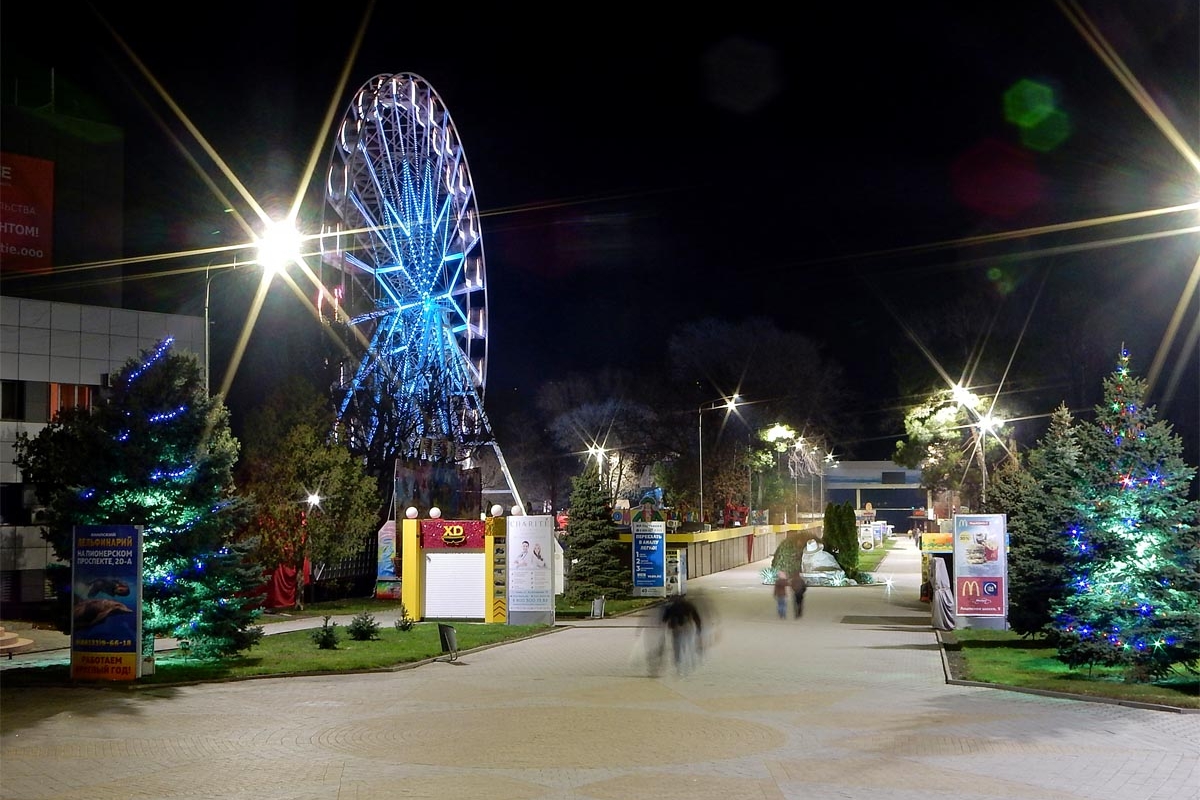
{"x":158,"y":353}
{"x":166,"y":416}
{"x":193,"y":583}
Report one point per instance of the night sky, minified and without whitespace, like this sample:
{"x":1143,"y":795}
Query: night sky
{"x":846,"y":172}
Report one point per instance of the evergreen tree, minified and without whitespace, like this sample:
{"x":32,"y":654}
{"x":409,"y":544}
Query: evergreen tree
{"x":157,"y":453}
{"x":1041,"y":501}
{"x":1136,"y":582}
{"x":840,"y":536}
{"x":593,"y":547}
{"x":789,"y":555}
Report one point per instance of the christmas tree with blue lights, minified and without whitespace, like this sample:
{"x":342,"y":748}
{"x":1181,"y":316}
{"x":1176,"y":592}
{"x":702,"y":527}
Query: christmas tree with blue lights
{"x":156,"y":452}
{"x":1133,"y":596}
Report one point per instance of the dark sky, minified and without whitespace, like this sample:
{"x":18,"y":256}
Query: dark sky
{"x":807,"y":166}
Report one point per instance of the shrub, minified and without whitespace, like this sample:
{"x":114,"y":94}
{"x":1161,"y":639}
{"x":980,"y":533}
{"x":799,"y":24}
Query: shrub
{"x":326,"y":636}
{"x":788,"y":556}
{"x":405,"y":623}
{"x":363,"y":628}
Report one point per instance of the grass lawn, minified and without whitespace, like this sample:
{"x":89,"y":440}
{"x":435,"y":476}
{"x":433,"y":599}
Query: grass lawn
{"x":296,"y":653}
{"x":1003,"y":657}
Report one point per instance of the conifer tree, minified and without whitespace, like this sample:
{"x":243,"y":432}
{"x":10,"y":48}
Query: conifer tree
{"x":1135,"y":598}
{"x":1041,"y":501}
{"x":592,"y":544}
{"x":840,"y":536}
{"x":157,"y":453}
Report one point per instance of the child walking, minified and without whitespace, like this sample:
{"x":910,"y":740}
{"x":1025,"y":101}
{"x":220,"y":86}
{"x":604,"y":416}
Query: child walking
{"x":782,"y":591}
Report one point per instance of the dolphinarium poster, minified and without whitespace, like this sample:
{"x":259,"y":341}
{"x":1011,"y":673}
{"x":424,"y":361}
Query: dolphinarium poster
{"x":106,"y":623}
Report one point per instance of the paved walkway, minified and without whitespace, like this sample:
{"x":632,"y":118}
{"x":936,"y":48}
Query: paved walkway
{"x":848,"y":702}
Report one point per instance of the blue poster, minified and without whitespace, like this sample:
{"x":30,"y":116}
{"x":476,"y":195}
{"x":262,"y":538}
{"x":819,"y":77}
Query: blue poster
{"x":106,"y":622}
{"x":649,"y":558}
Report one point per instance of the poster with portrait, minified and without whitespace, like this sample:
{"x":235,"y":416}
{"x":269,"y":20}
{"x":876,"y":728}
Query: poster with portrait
{"x":980,"y":565}
{"x":530,"y":550}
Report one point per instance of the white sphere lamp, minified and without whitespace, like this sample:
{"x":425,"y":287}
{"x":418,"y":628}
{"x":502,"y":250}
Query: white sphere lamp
{"x":411,"y":512}
{"x":497,"y":510}
{"x":435,"y":513}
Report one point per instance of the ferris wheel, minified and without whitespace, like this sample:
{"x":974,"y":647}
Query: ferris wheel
{"x":402,"y":236}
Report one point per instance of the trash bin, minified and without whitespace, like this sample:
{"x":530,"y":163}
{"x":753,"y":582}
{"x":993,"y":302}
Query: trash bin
{"x":598,"y":608}
{"x":449,"y":638}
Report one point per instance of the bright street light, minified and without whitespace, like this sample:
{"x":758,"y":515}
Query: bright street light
{"x":278,"y":247}
{"x":727,"y":403}
{"x":597,"y":452}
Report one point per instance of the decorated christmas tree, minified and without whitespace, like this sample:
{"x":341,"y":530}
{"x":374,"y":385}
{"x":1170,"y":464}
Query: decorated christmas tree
{"x":592,"y":546}
{"x":156,"y":453}
{"x":1134,"y":595}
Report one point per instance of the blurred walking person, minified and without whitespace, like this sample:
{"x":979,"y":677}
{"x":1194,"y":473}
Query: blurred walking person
{"x":798,"y":586}
{"x":783,"y":591}
{"x":681,"y":621}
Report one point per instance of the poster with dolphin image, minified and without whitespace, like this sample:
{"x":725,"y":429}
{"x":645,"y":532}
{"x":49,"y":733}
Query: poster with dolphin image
{"x":106,"y":622}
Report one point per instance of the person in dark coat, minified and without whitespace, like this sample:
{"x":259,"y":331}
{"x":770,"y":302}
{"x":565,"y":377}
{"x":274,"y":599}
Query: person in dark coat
{"x":682,"y":622}
{"x":798,"y":586}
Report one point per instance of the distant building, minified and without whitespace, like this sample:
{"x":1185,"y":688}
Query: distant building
{"x":893,"y":491}
{"x":62,"y":179}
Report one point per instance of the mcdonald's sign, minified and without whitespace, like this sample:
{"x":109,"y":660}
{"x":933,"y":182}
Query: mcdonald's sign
{"x":980,"y":596}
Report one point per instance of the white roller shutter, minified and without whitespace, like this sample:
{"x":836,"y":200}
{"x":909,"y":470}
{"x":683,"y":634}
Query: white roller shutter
{"x":454,"y":585}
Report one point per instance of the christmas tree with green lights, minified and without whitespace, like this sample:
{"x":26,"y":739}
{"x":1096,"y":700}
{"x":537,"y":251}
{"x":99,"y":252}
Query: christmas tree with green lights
{"x":1134,"y":593}
{"x":157,"y":452}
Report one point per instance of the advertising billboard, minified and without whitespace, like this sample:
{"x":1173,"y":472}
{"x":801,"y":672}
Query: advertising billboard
{"x":106,"y":623}
{"x":649,"y":558}
{"x":530,"y":552}
{"x":980,"y":565}
{"x":26,"y":214}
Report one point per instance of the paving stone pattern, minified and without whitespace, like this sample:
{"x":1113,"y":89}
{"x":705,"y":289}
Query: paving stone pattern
{"x":850,"y":701}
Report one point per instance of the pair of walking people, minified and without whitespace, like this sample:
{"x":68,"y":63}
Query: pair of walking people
{"x":789,"y":586}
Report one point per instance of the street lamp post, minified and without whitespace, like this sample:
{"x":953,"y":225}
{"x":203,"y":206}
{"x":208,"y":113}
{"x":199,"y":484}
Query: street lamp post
{"x":208,"y":277}
{"x":987,"y":424}
{"x":207,"y":294}
{"x":729,"y":404}
{"x":749,"y":482}
{"x":597,"y":452}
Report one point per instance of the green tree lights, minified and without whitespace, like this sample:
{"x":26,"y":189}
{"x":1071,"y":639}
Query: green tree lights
{"x":157,"y":453}
{"x":1133,"y":594}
